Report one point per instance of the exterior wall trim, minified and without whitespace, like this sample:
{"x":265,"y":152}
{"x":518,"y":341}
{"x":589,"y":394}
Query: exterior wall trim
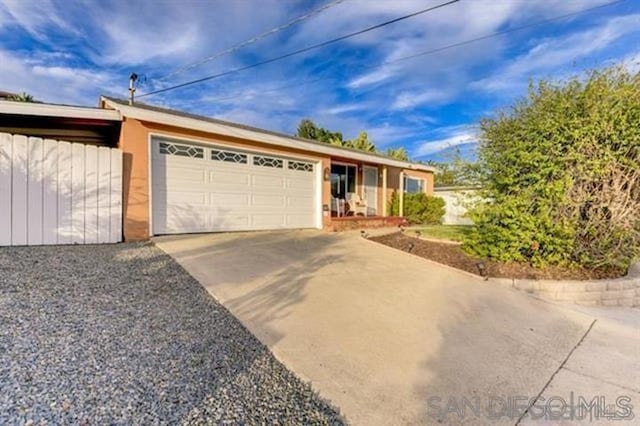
{"x":67,"y":111}
{"x":364,"y":166}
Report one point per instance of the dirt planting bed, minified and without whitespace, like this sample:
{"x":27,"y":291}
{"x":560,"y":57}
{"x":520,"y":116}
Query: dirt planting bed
{"x":453,"y":255}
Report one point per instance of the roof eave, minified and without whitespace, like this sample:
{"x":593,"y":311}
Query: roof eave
{"x":50,"y":110}
{"x":244,"y":133}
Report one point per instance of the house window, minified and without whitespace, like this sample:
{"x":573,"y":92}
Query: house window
{"x":413,"y":185}
{"x":343,"y":180}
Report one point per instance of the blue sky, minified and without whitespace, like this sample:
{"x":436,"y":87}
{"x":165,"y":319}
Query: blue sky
{"x":72,"y":51}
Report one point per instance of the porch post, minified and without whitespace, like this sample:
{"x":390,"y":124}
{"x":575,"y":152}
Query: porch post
{"x":384,"y":191}
{"x":401,"y":195}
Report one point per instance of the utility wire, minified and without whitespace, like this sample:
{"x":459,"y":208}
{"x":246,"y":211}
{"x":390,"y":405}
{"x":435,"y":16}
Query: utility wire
{"x":252,"y":40}
{"x":437,"y":50}
{"x":299,"y":51}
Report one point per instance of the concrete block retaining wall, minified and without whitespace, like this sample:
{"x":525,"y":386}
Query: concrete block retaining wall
{"x":623,"y":291}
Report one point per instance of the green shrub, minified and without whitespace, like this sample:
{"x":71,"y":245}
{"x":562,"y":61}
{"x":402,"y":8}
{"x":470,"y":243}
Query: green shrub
{"x":561,"y":175}
{"x":419,"y":208}
{"x":394,"y":204}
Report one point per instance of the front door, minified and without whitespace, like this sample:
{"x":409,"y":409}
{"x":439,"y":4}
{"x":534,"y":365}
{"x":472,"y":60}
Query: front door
{"x":370,"y":185}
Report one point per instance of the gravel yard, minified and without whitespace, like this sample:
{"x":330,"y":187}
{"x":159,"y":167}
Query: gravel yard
{"x":121,"y":334}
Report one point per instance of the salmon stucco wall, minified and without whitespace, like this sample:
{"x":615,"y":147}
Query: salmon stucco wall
{"x":393,"y":180}
{"x":135,"y":194}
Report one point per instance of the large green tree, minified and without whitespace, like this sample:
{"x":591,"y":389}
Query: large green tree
{"x":362,"y":143}
{"x":562,"y":174}
{"x":309,"y":130}
{"x":398,"y":153}
{"x":22,"y":97}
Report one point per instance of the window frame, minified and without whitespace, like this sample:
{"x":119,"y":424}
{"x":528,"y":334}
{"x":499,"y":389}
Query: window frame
{"x":422,"y":185}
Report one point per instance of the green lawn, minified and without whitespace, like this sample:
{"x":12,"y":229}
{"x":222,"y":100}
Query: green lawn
{"x":441,"y":232}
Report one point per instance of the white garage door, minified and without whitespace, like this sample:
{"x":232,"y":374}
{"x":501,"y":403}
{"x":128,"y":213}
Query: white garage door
{"x":202,"y":189}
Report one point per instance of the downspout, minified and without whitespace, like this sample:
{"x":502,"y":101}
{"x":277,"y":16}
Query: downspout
{"x":384,"y":191}
{"x":401,"y":195}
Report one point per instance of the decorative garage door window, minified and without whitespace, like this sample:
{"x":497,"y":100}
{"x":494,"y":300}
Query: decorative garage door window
{"x":259,"y":160}
{"x":181,"y":150}
{"x":229,"y":156}
{"x":300,"y":165}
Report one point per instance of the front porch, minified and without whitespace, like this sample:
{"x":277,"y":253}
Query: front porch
{"x":358,"y":194}
{"x":357,"y":190}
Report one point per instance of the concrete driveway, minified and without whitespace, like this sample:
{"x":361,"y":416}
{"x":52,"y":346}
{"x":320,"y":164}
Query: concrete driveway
{"x":392,"y":339}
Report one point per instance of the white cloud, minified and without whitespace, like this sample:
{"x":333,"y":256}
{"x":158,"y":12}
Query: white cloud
{"x":380,"y":74}
{"x":344,"y":108}
{"x":56,"y":84}
{"x":388,"y":134}
{"x":410,"y":99}
{"x":550,"y":54}
{"x":454,"y":136}
{"x":35,"y":20}
{"x":443,"y":27}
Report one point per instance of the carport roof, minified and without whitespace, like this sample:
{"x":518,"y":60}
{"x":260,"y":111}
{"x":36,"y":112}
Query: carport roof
{"x":64,"y":122}
{"x":145,"y":112}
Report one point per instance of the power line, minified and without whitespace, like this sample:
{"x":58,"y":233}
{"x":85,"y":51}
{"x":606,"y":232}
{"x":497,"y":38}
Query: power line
{"x":252,"y":40}
{"x":438,"y":49}
{"x":299,"y":51}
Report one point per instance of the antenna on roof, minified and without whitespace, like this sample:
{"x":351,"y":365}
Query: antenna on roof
{"x":132,"y":82}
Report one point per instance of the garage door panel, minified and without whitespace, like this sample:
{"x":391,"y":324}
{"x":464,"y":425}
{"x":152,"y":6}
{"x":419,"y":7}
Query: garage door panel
{"x":214,"y":194}
{"x":259,"y":200}
{"x":198,"y":198}
{"x":229,"y":221}
{"x":267,"y":181}
{"x":303,"y":203}
{"x":180,"y":174}
{"x":268,"y":220}
{"x":231,"y":199}
{"x":299,"y":184}
{"x":176,"y":223}
{"x":229,"y":178}
{"x":299,"y":220}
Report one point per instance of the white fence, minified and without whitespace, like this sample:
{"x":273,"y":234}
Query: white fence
{"x":54,"y":192}
{"x":456,"y":201}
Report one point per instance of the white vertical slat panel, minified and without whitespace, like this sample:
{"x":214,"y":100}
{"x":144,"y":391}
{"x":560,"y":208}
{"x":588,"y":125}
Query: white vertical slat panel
{"x":34,"y":189}
{"x":115,"y":222}
{"x":91,"y":195}
{"x":54,"y":192}
{"x":77,"y":193}
{"x":65,"y":211}
{"x":6,"y":157}
{"x":19,"y":173}
{"x":104,"y":197}
{"x":50,"y":193}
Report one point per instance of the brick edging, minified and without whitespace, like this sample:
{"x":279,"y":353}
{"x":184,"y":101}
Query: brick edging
{"x":623,"y":291}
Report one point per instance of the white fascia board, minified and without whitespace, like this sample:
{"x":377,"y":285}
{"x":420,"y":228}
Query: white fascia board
{"x":49,"y":110}
{"x":271,"y":139}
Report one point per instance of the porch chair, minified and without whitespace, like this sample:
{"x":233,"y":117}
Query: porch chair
{"x":356,"y":204}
